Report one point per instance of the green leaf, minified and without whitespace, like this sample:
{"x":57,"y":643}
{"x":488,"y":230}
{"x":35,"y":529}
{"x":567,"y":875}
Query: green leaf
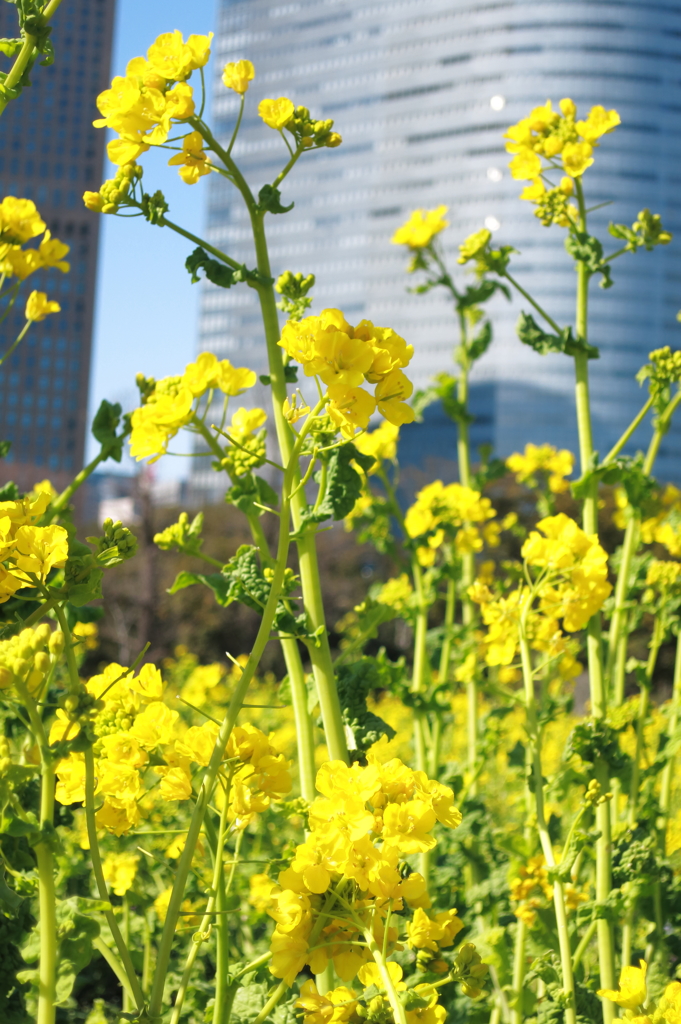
{"x":270,"y":200}
{"x":530,"y":333}
{"x":481,"y":342}
{"x":362,"y":727}
{"x":90,"y":590}
{"x":10,"y":492}
{"x":153,"y":207}
{"x":343,"y":483}
{"x":104,"y":424}
{"x":585,"y":248}
{"x":5,"y":447}
{"x":10,"y":47}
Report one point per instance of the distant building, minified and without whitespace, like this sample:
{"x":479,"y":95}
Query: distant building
{"x":50,"y":153}
{"x":422,"y":93}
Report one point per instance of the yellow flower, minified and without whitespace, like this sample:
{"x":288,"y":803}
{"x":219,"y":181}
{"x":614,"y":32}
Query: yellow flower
{"x":20,"y":262}
{"x":198,"y":742}
{"x":632,"y":987}
{"x":176,"y":783}
{"x":577,"y":157}
{"x":525,"y":164}
{"x":542,"y":459}
{"x":534,"y":192}
{"x":38,"y":306}
{"x":52,"y":253}
{"x":117,"y":815}
{"x":154,"y":424}
{"x":395,"y":593}
{"x":41,"y":548}
{"x":670,"y":1003}
{"x":120,"y":870}
{"x":70,"y":780}
{"x":598,"y":123}
{"x":173,"y":59}
{"x":238,"y":74}
{"x":370,"y":975}
{"x":336,"y":1006}
{"x":474,"y":244}
{"x":292,"y":410}
{"x":155,"y":726}
{"x":276,"y":113}
{"x":123,"y":748}
{"x":261,"y":888}
{"x":351,"y":410}
{"x":421,"y":228}
{"x":568,"y":108}
{"x":19,"y":220}
{"x":193,"y":160}
{"x":390,"y":394}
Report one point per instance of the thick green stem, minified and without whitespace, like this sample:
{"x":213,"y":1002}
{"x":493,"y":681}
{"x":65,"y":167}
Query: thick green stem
{"x":396,"y":1006}
{"x":668,"y":770}
{"x":25,"y":55}
{"x":467,"y":571}
{"x":534,"y":734}
{"x":47,"y":899}
{"x":184,"y":865}
{"x":620,"y":615}
{"x":304,"y":727}
{"x":517,"y":1013}
{"x":274,"y":999}
{"x":320,"y":651}
{"x":290,"y":650}
{"x":637,"y":420}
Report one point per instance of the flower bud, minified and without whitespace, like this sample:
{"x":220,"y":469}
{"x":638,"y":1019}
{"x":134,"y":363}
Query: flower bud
{"x":41,"y":662}
{"x":41,"y":636}
{"x":35,"y":678}
{"x":56,"y":642}
{"x":20,"y":668}
{"x":26,"y":652}
{"x":6,"y":677}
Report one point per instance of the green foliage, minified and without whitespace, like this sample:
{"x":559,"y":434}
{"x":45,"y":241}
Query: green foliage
{"x":104,"y":426}
{"x":216,"y":272}
{"x":587,"y":249}
{"x":530,"y":333}
{"x":270,"y":200}
{"x":76,"y":929}
{"x":355,"y":682}
{"x":343,"y":483}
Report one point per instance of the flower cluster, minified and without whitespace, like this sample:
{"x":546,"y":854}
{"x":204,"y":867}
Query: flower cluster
{"x":544,"y":460}
{"x":139,"y":739}
{"x":248,"y":437}
{"x":169,"y":403}
{"x":575,"y":567}
{"x":449,"y":512}
{"x":380,"y":443}
{"x":572,"y":584}
{"x":664,"y":527}
{"x":27,"y":658}
{"x":141,"y":105}
{"x":260,"y":773}
{"x":348,"y":875}
{"x":307,"y":132}
{"x":551,"y":134}
{"x":345,"y":357}
{"x":19,"y":223}
{"x":114,"y":190}
{"x":531,"y":889}
{"x":28,"y":552}
{"x":422,"y":226}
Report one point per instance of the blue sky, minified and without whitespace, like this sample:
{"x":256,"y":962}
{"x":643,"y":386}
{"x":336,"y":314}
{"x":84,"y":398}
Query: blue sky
{"x":146,"y":308}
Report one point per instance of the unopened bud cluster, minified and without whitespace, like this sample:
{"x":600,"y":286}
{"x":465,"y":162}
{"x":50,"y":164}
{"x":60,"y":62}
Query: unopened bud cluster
{"x":469,"y":970}
{"x":117,"y":536}
{"x":310,"y":132}
{"x":114,"y":190}
{"x":594,"y":794}
{"x":27,"y":658}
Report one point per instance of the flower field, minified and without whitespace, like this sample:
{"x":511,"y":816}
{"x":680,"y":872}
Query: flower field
{"x":485,"y":828}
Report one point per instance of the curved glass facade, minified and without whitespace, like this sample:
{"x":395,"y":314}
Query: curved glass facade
{"x":422,"y":93}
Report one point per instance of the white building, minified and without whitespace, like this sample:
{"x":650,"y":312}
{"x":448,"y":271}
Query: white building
{"x":422,"y":92}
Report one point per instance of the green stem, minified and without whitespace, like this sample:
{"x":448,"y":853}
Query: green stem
{"x":617,"y":448}
{"x":668,"y":770}
{"x":271,"y":1003}
{"x":60,"y":502}
{"x":98,"y":871}
{"x":184,"y":865}
{"x":26,"y":54}
{"x":517,"y":1013}
{"x":643,"y":703}
{"x":320,"y":651}
{"x":47,"y":899}
{"x":22,"y":333}
{"x":583,"y":945}
{"x":620,"y":614}
{"x":291,"y":652}
{"x":544,"y":837}
{"x":399,"y":1013}
{"x":550,"y":321}
{"x":115,"y":965}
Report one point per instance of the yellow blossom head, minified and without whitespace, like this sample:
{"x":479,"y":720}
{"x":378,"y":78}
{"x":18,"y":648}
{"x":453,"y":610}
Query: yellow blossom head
{"x":421,"y":228}
{"x":276,"y":113}
{"x":237,"y":75}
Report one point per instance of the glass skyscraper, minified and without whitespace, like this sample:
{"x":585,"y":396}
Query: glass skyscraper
{"x":50,"y":153}
{"x":422,"y":93}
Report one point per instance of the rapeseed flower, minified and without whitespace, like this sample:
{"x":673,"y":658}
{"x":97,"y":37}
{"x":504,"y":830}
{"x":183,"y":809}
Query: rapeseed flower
{"x":237,"y":75}
{"x":631,"y":992}
{"x":421,"y":228}
{"x":276,"y":113}
{"x":38,"y":306}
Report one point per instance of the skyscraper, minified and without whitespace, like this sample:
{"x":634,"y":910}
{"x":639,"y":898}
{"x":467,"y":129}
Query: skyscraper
{"x":422,"y":94}
{"x":50,"y":153}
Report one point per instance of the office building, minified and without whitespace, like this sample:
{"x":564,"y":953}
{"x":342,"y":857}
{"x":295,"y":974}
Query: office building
{"x":50,"y":153}
{"x":422,"y":93}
